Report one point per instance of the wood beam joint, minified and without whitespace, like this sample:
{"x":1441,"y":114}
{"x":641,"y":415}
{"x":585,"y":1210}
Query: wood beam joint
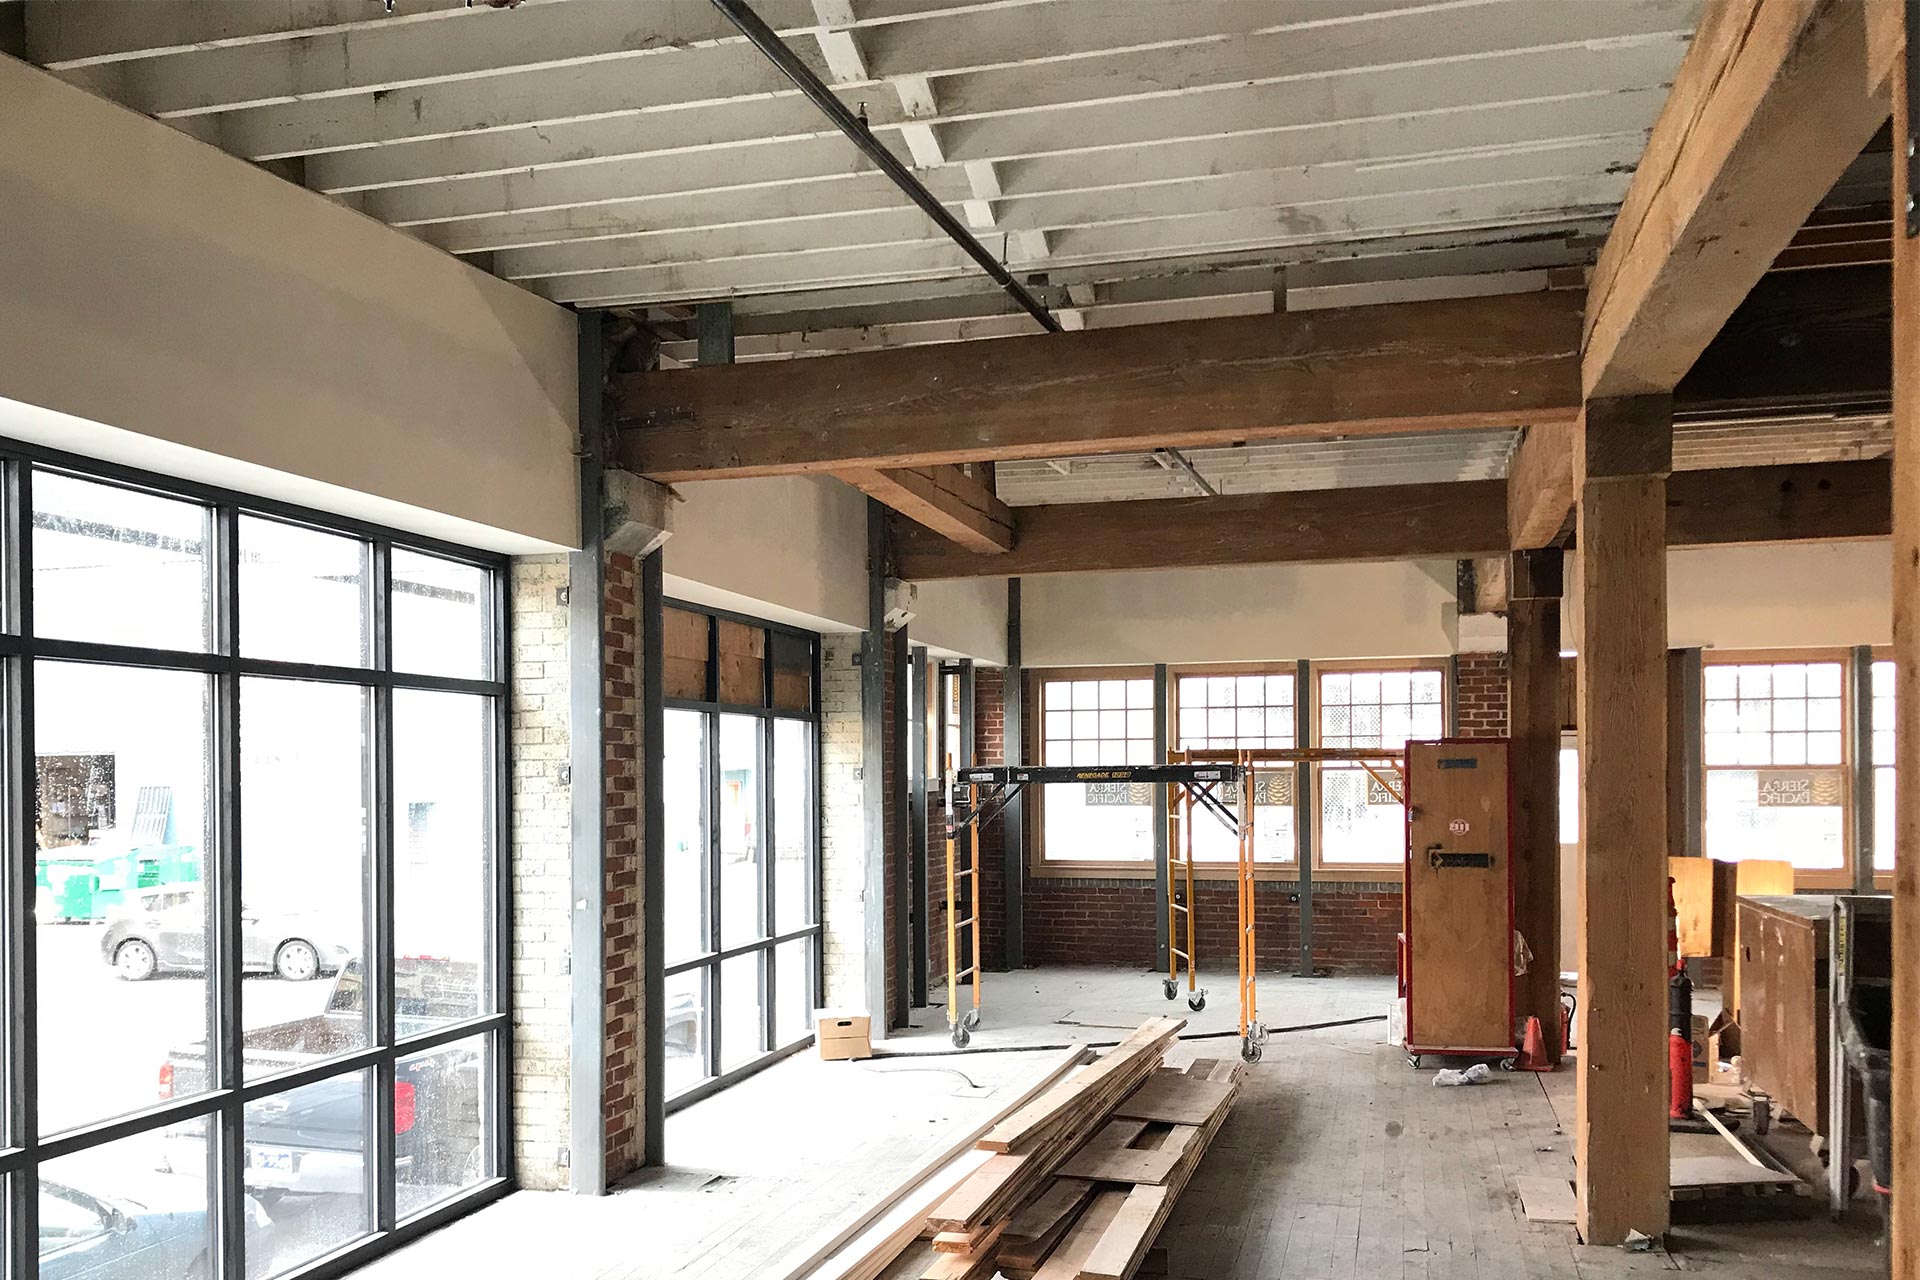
{"x":946,"y":500}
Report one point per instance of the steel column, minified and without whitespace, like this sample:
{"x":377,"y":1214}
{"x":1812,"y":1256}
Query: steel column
{"x":1860,"y":762}
{"x":900,"y":792}
{"x":872,"y":766}
{"x":1161,"y":888}
{"x":917,"y":816}
{"x":1303,"y":815}
{"x":1013,"y":827}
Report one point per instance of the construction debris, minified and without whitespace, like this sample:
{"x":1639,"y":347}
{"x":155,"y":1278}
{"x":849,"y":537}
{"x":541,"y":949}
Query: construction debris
{"x":1075,"y":1184}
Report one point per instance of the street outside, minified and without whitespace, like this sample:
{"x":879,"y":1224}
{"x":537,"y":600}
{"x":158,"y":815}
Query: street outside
{"x":84,"y":1008}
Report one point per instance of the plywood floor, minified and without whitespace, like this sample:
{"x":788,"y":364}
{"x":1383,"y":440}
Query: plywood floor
{"x":1338,"y":1161}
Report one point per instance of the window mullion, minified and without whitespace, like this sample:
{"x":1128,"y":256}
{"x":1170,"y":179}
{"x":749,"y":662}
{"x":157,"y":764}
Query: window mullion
{"x":377,"y":969}
{"x":226,"y":1032}
{"x":20,"y":1035}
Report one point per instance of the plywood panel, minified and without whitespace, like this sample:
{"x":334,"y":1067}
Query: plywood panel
{"x":1459,"y":897}
{"x":743,"y":664}
{"x":1783,"y":1019}
{"x":683,"y":653}
{"x":1695,"y":903}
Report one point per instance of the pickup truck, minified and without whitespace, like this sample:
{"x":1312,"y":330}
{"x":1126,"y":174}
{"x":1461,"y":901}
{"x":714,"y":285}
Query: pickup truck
{"x":314,"y":1140}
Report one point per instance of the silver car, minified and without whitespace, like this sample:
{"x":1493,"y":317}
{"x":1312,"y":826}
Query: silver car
{"x":166,"y":927}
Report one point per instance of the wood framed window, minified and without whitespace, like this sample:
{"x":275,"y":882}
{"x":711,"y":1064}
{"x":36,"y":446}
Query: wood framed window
{"x":1087,"y":717}
{"x":1245,"y":708}
{"x":1774,"y":748}
{"x":1358,"y":823}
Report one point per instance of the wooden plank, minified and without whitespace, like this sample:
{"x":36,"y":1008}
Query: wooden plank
{"x":1065,"y":1261}
{"x":1021,"y":1127}
{"x":1108,"y":1163}
{"x":1466,"y":363}
{"x":1174,"y":1098}
{"x":1621,"y":1121}
{"x":1769,"y":107}
{"x":1904,"y":1202}
{"x":1385,"y":522}
{"x":1451,"y":521}
{"x":1533,"y":723}
{"x":1047,"y":1215}
{"x":946,"y":500}
{"x":1825,"y":500}
{"x":973,"y":1264}
{"x":937,"y":1165}
{"x":1546,"y":1199}
{"x":1126,"y":1238}
{"x":1540,"y":485}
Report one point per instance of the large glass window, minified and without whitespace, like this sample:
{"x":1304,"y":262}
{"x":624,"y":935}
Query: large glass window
{"x":258,"y":752}
{"x":1361,"y":823}
{"x":1775,"y":755}
{"x":1106,"y":719}
{"x":742,"y":846}
{"x":1242,"y":712}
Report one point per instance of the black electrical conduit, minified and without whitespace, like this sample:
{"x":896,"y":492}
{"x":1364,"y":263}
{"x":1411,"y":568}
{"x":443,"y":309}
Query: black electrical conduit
{"x":764,"y":39}
{"x":1109,"y":1044}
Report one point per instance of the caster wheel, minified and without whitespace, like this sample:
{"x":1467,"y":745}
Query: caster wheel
{"x":1167,"y":988}
{"x":972,"y":1020}
{"x":1508,"y":1064}
{"x":1259,"y":1033}
{"x":1413,"y":1060}
{"x":961,"y":1036}
{"x":1197,"y":1001}
{"x":1250,"y":1051}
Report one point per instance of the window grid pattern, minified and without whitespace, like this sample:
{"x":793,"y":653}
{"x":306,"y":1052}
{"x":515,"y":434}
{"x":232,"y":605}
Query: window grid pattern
{"x":1360,"y":824}
{"x":1236,"y":712}
{"x":1092,"y":722}
{"x":1774,"y":714}
{"x":180,"y":553}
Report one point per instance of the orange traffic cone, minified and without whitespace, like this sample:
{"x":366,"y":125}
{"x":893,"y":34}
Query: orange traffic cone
{"x":1533,"y":1049}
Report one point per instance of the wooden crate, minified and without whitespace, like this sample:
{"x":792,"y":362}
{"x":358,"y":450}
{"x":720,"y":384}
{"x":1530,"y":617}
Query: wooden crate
{"x":1783,"y":1001}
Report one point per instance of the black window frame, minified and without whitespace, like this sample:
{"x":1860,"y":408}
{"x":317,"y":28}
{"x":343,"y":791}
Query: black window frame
{"x":709,"y":961}
{"x":222,"y":1106}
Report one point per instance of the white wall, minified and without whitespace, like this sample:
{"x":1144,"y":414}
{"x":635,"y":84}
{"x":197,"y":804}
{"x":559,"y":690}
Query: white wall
{"x":1787,"y":596}
{"x":169,"y":306}
{"x":1240,"y":614}
{"x":963,"y":618}
{"x":788,"y":549}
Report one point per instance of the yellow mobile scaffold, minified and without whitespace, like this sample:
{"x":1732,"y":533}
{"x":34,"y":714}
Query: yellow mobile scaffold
{"x":981,"y":793}
{"x":1385,"y":765}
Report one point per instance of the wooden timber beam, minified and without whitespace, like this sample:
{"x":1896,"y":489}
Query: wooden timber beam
{"x":1540,"y":485}
{"x":1453,"y":521}
{"x":1772,"y":102}
{"x":1464,"y":363}
{"x":946,"y":500}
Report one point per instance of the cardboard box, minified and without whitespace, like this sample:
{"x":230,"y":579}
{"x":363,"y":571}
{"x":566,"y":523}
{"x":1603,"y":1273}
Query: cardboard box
{"x":843,"y":1036}
{"x":1714,"y":1044}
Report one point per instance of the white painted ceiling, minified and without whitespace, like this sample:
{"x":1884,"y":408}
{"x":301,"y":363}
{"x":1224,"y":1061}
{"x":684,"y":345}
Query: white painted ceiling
{"x":1137,"y":160}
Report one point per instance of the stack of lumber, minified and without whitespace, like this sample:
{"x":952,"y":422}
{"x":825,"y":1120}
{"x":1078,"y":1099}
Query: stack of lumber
{"x":1077,"y":1183}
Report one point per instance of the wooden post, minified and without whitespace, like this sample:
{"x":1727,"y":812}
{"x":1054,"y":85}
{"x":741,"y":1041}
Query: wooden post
{"x":1533,"y":723}
{"x":1905,"y":1240}
{"x":1623,"y":453}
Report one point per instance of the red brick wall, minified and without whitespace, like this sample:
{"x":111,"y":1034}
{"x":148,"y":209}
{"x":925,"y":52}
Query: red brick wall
{"x":624,"y":1103}
{"x":1110,"y":921}
{"x":1480,"y":693}
{"x":1093,"y":921}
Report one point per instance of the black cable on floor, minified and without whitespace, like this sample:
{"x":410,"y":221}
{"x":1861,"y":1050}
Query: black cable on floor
{"x":1109,"y":1044}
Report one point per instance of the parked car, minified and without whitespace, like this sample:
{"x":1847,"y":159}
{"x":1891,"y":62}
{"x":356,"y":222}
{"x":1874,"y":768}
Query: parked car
{"x":159,"y":1231}
{"x":166,"y":927}
{"x":313,"y":1140}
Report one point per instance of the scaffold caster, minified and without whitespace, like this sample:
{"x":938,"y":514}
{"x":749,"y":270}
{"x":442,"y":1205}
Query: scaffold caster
{"x":1250,"y":1049}
{"x":1508,"y":1064}
{"x":972,"y":1020}
{"x":1197,"y":1001}
{"x":1259,"y":1033}
{"x":1413,"y":1060}
{"x":960,"y":1035}
{"x":1167,"y":987}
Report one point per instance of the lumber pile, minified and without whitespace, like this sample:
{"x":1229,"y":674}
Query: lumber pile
{"x":1077,"y":1183}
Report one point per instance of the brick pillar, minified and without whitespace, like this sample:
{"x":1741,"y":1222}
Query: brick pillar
{"x":1480,"y":695}
{"x":842,"y":822}
{"x":623,"y":1098}
{"x":541,"y":854}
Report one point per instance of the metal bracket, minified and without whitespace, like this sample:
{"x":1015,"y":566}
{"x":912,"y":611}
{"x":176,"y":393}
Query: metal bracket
{"x":1912,"y":107}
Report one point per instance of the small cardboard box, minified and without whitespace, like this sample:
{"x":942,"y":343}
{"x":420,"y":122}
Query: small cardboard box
{"x":843,"y":1036}
{"x":1713,"y":1044}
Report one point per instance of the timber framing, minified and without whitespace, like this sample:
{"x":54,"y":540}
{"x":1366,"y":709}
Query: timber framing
{"x":946,"y":499}
{"x":1469,"y":363}
{"x":1773,"y":101}
{"x":1452,"y":521}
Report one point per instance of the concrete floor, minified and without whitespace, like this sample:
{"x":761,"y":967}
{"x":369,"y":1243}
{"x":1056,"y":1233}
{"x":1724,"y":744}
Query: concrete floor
{"x":1338,"y":1159}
